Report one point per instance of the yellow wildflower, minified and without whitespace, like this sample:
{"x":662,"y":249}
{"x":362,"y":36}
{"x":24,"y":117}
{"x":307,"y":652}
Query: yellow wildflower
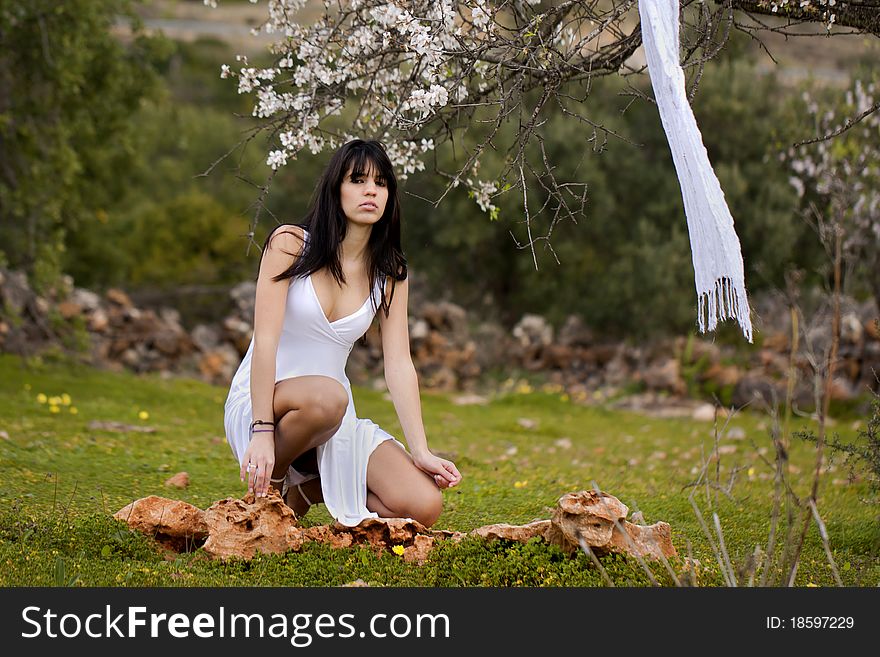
{"x":143,"y":415}
{"x":564,"y":397}
{"x":811,"y":585}
{"x":398,"y":550}
{"x":54,"y":409}
{"x":55,"y":401}
{"x":65,"y":399}
{"x":41,"y":398}
{"x":73,"y":410}
{"x":520,"y":484}
{"x":751,"y":472}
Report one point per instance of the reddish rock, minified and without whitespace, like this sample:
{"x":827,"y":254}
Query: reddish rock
{"x":180,"y":480}
{"x":519,"y":533}
{"x":777,"y":342}
{"x":119,"y":298}
{"x":665,"y":375}
{"x":647,"y":541}
{"x":593,"y":517}
{"x":69,"y":309}
{"x":244,"y":527}
{"x":419,"y":550}
{"x":176,"y":525}
{"x":98,"y":322}
{"x":723,"y":375}
{"x":384,"y":532}
{"x":587,"y":514}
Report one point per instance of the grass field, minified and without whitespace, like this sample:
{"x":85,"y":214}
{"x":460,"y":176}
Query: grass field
{"x":62,"y":481}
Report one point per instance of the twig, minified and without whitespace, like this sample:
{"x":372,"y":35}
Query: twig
{"x":586,"y":548}
{"x":824,"y":534}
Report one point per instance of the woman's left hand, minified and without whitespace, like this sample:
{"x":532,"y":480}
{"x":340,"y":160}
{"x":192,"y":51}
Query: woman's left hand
{"x":444,"y":472}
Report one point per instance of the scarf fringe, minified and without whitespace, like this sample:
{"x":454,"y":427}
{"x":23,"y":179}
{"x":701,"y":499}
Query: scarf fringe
{"x":726,"y":300}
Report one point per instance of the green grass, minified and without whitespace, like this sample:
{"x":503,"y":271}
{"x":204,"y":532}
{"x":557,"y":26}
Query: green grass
{"x":60,"y":482}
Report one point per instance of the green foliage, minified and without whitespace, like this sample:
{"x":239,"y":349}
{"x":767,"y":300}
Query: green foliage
{"x":862,"y":455}
{"x":70,"y":87}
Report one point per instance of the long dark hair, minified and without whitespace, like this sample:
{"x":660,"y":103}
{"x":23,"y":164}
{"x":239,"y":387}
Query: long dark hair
{"x":326,"y":223}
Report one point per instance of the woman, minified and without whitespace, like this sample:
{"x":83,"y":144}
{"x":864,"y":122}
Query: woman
{"x":289,"y":416}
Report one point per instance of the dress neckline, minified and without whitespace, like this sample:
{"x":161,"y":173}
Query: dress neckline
{"x":321,"y":309}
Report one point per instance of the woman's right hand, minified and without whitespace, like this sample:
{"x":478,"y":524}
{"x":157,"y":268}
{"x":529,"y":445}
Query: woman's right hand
{"x":260,"y":452}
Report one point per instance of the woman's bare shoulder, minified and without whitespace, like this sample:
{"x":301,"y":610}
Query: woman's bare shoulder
{"x":286,"y":237}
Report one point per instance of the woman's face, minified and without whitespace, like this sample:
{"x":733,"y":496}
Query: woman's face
{"x":363,"y":196}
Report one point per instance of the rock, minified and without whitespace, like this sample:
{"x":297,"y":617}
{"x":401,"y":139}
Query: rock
{"x":447,"y":318}
{"x":754,"y":387}
{"x":41,"y":305}
{"x":419,"y":330}
{"x":219,"y":365}
{"x":244,"y":527}
{"x":419,"y":550}
{"x":205,"y":338}
{"x":591,"y":516}
{"x":648,"y":542}
{"x":69,"y":309}
{"x":440,"y":378}
{"x":843,"y":390}
{"x":180,"y":480}
{"x":704,"y":413}
{"x":85,"y":299}
{"x":585,"y":514}
{"x":780,"y":342}
{"x":15,"y":291}
{"x":665,"y":375}
{"x":519,"y":533}
{"x":533,"y":330}
{"x":239,"y":332}
{"x":563,"y":443}
{"x":722,"y":375}
{"x":527,"y":423}
{"x":616,"y":371}
{"x":118,"y":427}
{"x":492,"y":344}
{"x":469,"y":399}
{"x":574,"y":333}
{"x":384,"y":532}
{"x":118,"y":298}
{"x":851,"y":329}
{"x":174,"y":524}
{"x":98,"y":321}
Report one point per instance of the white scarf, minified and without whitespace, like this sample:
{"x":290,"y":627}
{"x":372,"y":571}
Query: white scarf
{"x":715,"y":248}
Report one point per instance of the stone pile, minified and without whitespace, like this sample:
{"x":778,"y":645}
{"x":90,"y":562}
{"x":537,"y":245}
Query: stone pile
{"x":243,"y":528}
{"x":451,"y":350}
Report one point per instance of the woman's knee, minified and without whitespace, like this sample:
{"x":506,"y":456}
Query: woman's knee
{"x":426,"y":506}
{"x":325,"y":406}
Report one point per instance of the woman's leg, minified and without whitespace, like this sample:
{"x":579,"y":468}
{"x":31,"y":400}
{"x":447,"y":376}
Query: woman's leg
{"x":308,"y":411}
{"x":396,"y":488}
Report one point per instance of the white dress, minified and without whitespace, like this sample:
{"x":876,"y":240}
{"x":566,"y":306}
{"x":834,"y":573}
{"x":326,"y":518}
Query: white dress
{"x":311,"y":344}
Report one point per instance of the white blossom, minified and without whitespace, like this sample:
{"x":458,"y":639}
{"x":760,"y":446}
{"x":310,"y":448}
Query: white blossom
{"x":276,"y":159}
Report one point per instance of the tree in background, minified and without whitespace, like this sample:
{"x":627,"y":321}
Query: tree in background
{"x":67,"y":89}
{"x":837,"y":175}
{"x":424,"y":73}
